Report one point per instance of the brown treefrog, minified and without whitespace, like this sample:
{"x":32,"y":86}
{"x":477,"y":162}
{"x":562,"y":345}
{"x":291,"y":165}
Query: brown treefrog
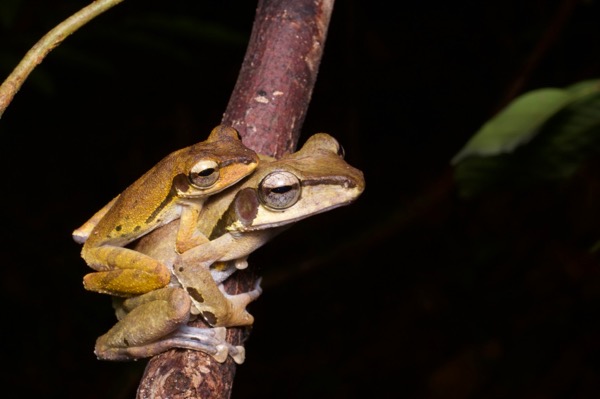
{"x":237,"y":221}
{"x":175,"y":188}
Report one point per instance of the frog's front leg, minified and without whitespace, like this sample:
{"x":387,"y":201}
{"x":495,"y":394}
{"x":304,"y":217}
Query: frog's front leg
{"x":155,"y":322}
{"x":188,"y":235}
{"x":210,"y":299}
{"x":123,"y":272}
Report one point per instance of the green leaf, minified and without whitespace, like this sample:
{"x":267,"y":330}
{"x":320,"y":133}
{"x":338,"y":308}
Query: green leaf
{"x":516,"y":124}
{"x":584,"y":88}
{"x":560,"y":145}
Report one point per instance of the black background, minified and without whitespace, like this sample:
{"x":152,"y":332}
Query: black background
{"x":411,"y":292}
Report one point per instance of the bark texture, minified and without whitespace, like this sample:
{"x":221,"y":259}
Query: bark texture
{"x":267,"y":107}
{"x":273,"y":90}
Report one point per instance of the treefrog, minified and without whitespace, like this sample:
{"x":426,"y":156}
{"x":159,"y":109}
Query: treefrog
{"x":237,"y":221}
{"x":175,"y":188}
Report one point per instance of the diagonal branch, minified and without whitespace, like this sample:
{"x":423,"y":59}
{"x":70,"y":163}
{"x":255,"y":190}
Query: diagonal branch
{"x":40,"y":50}
{"x":267,"y":106}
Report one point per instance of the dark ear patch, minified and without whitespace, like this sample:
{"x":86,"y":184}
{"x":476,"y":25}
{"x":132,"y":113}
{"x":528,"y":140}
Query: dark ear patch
{"x":181,"y":183}
{"x":246,"y":206}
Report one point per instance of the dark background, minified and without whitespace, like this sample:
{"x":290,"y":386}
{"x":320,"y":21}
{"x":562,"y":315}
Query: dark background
{"x":411,"y":292}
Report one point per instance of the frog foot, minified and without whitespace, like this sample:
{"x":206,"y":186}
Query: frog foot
{"x":247,"y":297}
{"x":241,"y":264}
{"x":209,"y":340}
{"x":237,"y":314}
{"x":237,"y":353}
{"x":243,"y":299}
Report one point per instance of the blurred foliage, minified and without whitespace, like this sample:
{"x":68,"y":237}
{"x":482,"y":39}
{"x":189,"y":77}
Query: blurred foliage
{"x":543,"y":135}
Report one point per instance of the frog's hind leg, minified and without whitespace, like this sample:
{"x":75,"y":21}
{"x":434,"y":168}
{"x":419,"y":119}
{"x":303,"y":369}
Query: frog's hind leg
{"x":143,"y":321}
{"x":123,"y":271}
{"x":155,"y":322}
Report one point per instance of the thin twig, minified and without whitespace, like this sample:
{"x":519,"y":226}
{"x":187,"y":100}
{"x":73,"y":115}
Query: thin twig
{"x":38,"y":52}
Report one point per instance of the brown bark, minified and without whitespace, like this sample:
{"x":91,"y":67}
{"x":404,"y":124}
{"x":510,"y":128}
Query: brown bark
{"x":267,"y":107}
{"x":270,"y":98}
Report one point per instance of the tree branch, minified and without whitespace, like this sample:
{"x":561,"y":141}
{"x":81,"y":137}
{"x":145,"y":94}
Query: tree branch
{"x":271,"y":96}
{"x":38,"y":52}
{"x":268,"y":106}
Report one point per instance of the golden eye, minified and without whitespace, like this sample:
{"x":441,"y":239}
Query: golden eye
{"x":204,"y":174}
{"x":279,"y":190}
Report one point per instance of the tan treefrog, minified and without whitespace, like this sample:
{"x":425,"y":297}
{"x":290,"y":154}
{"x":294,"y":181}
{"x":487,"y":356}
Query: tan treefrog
{"x":237,"y":221}
{"x":175,"y":187}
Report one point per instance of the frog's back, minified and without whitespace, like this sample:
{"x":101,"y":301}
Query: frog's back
{"x":142,"y":207}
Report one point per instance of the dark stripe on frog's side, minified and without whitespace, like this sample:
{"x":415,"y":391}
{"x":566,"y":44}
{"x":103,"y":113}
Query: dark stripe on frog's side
{"x":331,"y":181}
{"x":114,"y":232}
{"x":118,"y":228}
{"x":238,"y":160}
{"x":244,"y":208}
{"x":179,"y":180}
{"x":220,"y":227}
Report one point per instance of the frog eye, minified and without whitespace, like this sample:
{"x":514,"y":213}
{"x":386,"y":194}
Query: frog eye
{"x":279,"y":190}
{"x":204,"y":174}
